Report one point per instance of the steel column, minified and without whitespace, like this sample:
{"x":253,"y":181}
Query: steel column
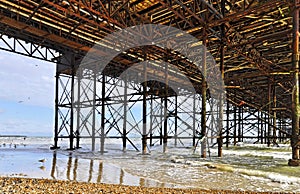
{"x":203,"y":91}
{"x":94,"y":110}
{"x":269,"y":112}
{"x":125,"y":104}
{"x":234,"y":124}
{"x":222,"y":69}
{"x":56,"y":111}
{"x":274,"y":115}
{"x":176,"y":121}
{"x":162,"y":113}
{"x":295,"y":97}
{"x":151,"y":121}
{"x":227,"y":124}
{"x":194,"y":120}
{"x":261,"y":128}
{"x":144,"y":135}
{"x":165,"y":134}
{"x":258,"y":125}
{"x":78,"y":110}
{"x":102,"y":139}
{"x":266,"y":128}
{"x":71,"y":135}
{"x":239,"y":124}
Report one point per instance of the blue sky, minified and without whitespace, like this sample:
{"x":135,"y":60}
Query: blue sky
{"x":26,"y":95}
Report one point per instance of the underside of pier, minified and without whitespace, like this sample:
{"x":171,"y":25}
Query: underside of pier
{"x":244,"y":73}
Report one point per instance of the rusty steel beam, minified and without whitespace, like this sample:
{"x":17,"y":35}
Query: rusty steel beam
{"x":169,"y":7}
{"x":240,"y":15}
{"x":295,"y":141}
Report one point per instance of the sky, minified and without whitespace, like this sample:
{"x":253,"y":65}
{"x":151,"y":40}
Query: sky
{"x":26,"y":95}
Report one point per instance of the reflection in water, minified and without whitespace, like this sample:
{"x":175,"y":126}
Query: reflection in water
{"x":142,"y":182}
{"x":91,"y":170}
{"x":118,"y":168}
{"x":69,"y":166}
{"x":75,"y":169}
{"x":121,"y":176}
{"x":99,"y":171}
{"x":53,"y":165}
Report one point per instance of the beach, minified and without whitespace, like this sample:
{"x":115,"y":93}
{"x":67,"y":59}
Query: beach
{"x":29,"y":185}
{"x":32,"y":165}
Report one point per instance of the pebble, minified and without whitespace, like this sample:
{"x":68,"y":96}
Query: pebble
{"x":30,"y":185}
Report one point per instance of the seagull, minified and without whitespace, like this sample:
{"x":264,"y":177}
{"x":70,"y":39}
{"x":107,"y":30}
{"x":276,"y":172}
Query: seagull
{"x":42,"y":160}
{"x":42,"y":167}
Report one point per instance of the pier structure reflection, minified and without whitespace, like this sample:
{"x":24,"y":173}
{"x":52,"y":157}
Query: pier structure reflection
{"x":74,"y":168}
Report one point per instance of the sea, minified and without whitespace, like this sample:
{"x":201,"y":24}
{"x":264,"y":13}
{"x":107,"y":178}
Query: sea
{"x":245,"y":167}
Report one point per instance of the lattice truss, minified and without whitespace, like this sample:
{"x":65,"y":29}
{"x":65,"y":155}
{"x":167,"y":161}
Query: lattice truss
{"x":119,"y":102}
{"x":251,"y":41}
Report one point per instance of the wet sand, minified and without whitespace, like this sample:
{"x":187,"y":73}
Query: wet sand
{"x":30,"y":185}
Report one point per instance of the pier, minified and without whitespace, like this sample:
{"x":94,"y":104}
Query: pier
{"x":165,"y":71}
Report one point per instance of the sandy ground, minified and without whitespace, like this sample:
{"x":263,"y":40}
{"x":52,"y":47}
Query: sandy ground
{"x":29,"y":185}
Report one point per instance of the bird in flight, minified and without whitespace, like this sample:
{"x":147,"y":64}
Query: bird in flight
{"x":42,"y":160}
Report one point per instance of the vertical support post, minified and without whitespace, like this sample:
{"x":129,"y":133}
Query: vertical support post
{"x":125,"y":104}
{"x":227,"y":123}
{"x":280,"y":127}
{"x":204,"y":88}
{"x":78,"y":110}
{"x":234,"y":124}
{"x":151,"y":121}
{"x":221,"y":100}
{"x":295,"y":96}
{"x":274,"y":115}
{"x":214,"y":120}
{"x":71,"y":136}
{"x":261,"y":127}
{"x":269,"y":113}
{"x":258,"y":125}
{"x":220,"y":126}
{"x":194,"y":119}
{"x":102,"y":115}
{"x":266,"y":129}
{"x":176,"y":120}
{"x":94,"y":111}
{"x":165,"y":135}
{"x":240,"y":124}
{"x":144,"y":135}
{"x":55,"y":146}
{"x":161,"y":121}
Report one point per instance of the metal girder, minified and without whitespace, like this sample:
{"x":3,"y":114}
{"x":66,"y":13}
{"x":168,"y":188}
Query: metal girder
{"x":250,"y":40}
{"x":31,"y":49}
